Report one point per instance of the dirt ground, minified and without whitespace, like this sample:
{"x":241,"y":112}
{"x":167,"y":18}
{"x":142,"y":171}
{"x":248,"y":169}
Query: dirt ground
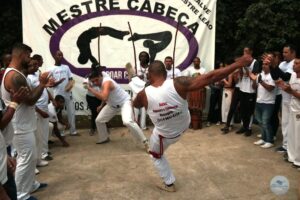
{"x":207,"y":165}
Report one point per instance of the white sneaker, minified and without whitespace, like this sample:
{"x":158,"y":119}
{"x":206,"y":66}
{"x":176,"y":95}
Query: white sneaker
{"x":218,"y":123}
{"x":207,"y":124}
{"x":259,"y":135}
{"x":267,"y":145}
{"x":259,"y":142}
{"x":42,"y":163}
{"x":37,"y":171}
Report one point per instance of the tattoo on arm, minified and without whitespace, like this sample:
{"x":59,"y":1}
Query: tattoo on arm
{"x":18,"y":81}
{"x":184,"y":81}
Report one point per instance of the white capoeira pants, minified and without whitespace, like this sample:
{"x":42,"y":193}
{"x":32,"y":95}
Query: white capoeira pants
{"x":71,"y":114}
{"x":293,"y":138}
{"x":60,"y":127}
{"x":285,"y":114}
{"x":42,"y":132}
{"x":161,"y":164}
{"x":26,"y":163}
{"x":226,"y":101}
{"x":142,"y":113}
{"x":109,"y":112}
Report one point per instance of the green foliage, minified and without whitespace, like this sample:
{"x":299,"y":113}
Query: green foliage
{"x":269,"y":24}
{"x":11,"y":24}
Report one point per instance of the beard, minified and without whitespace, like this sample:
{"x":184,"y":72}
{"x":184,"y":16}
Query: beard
{"x":25,"y":64}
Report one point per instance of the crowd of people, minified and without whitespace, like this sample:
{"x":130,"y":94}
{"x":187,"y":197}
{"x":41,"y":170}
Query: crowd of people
{"x":255,"y":94}
{"x":30,"y":112}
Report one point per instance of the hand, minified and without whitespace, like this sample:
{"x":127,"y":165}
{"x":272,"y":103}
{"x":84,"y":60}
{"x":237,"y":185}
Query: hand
{"x":268,"y":59}
{"x":67,"y":125}
{"x":253,"y":76}
{"x":3,"y":195}
{"x":99,"y":108}
{"x":50,"y":83}
{"x":244,"y":60}
{"x":11,"y":164}
{"x":44,"y":114}
{"x":20,"y":95}
{"x":259,"y":78}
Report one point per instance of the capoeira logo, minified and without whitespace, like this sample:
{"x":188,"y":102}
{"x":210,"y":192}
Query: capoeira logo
{"x":83,"y":42}
{"x":81,"y":35}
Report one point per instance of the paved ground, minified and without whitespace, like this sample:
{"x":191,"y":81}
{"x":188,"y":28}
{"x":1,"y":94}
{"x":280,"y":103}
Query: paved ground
{"x":207,"y":165}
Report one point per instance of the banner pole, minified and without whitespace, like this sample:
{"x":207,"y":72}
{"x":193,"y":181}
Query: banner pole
{"x":99,"y":46}
{"x":134,"y":50}
{"x":175,"y":40}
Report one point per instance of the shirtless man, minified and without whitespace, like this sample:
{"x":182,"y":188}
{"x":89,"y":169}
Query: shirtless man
{"x":167,"y":107}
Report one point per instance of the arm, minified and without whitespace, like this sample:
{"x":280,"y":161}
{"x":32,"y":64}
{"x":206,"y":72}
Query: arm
{"x":14,"y":81}
{"x":140,"y":100}
{"x":276,"y":73}
{"x":41,"y":112}
{"x":266,"y":86}
{"x":58,"y":82}
{"x":229,"y":82}
{"x":105,"y":91}
{"x":61,"y":120}
{"x":16,"y":99}
{"x":3,"y":195}
{"x":186,"y":84}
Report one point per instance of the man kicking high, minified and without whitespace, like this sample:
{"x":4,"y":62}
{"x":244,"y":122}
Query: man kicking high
{"x":116,"y":99}
{"x":167,"y":107}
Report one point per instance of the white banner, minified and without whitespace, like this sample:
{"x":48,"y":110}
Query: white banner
{"x":71,"y":26}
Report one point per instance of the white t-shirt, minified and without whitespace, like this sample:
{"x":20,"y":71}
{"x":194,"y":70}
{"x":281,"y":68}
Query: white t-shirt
{"x":286,"y":67}
{"x":141,"y":71}
{"x":177,"y":73}
{"x":3,"y":160}
{"x":263,"y":95}
{"x":191,"y":71}
{"x":42,"y":102}
{"x":117,"y":96}
{"x":52,"y":113}
{"x":59,"y":72}
{"x":245,"y":81}
{"x":295,"y":85}
{"x":167,"y":110}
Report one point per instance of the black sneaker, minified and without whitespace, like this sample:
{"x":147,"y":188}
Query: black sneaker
{"x":241,"y":130}
{"x":225,"y":130}
{"x":248,"y":133}
{"x":280,"y":149}
{"x":50,"y":142}
{"x":48,"y":158}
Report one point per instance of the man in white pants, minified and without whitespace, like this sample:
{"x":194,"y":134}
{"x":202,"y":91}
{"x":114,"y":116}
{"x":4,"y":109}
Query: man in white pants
{"x":63,"y":86}
{"x":167,"y":107}
{"x":24,"y":121}
{"x":284,"y":71}
{"x":293,"y":137}
{"x":42,"y":131}
{"x":117,"y":99}
{"x":56,"y":124}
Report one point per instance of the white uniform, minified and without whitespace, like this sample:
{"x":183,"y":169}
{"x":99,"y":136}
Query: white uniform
{"x":53,"y":118}
{"x":191,"y":71}
{"x":177,"y":73}
{"x":169,"y":113}
{"x":3,"y":159}
{"x":118,"y":100}
{"x":24,"y":123}
{"x":140,"y":113}
{"x":293,"y":141}
{"x":42,"y":132}
{"x":285,"y":104}
{"x":8,"y":131}
{"x":59,"y":72}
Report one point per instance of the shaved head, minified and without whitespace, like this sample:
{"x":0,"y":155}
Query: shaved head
{"x":157,"y":68}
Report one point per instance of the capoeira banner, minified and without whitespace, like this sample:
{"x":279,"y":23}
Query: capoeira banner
{"x":72,"y":27}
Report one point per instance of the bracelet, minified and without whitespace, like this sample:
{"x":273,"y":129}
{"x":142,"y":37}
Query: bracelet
{"x":13,"y":105}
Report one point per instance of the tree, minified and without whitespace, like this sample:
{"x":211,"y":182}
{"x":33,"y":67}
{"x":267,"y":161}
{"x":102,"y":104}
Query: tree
{"x":269,"y":24}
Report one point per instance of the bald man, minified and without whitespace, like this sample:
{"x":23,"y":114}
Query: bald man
{"x":167,"y":107}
